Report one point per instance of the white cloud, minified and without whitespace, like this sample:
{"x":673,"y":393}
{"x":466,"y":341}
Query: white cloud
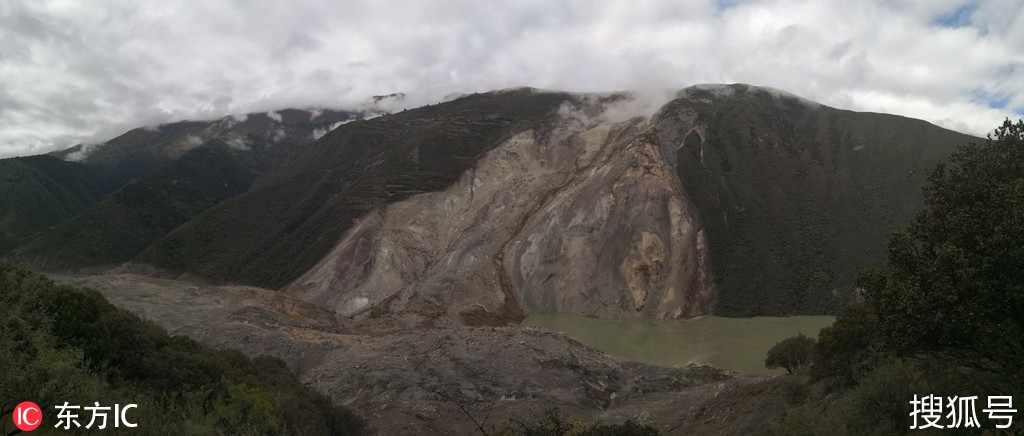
{"x":319,"y":133}
{"x":74,"y":71}
{"x":81,"y":153}
{"x":238,"y":143}
{"x":192,"y":141}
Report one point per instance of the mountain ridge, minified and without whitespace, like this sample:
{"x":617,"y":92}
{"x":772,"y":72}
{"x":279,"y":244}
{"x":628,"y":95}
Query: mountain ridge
{"x":819,"y":288}
{"x":728,"y":199}
{"x":175,"y":171}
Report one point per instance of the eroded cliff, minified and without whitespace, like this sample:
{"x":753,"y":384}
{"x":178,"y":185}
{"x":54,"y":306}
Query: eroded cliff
{"x":584,"y":215}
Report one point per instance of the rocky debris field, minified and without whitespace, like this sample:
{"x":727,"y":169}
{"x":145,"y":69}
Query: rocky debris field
{"x":430,"y":380}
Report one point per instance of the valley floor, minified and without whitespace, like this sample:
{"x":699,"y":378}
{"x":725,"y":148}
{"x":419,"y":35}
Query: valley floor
{"x":441,"y":380}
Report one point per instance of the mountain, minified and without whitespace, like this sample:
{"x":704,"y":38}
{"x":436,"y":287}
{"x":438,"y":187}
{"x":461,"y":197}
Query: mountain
{"x":386,"y":240}
{"x":127,"y":221}
{"x":797,"y":196}
{"x":730,"y":199}
{"x":39,"y":191}
{"x":140,"y":151}
{"x":292,"y":216}
{"x":177,"y":171}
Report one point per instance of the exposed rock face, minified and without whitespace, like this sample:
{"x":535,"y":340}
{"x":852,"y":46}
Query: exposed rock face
{"x":587,"y":216}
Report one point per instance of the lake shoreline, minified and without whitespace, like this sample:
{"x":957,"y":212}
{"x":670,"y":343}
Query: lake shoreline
{"x":737,"y":345}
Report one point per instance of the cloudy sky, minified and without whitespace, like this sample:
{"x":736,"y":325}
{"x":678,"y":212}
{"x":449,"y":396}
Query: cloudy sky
{"x":83,"y":71}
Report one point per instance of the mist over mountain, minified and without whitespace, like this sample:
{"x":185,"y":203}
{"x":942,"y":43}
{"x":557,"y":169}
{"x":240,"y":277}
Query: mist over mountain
{"x":139,"y":151}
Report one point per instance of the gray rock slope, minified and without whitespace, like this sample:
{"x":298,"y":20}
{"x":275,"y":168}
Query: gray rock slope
{"x":588,"y":217}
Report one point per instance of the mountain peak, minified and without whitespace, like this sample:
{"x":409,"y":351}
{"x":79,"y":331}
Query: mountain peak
{"x":721,"y":90}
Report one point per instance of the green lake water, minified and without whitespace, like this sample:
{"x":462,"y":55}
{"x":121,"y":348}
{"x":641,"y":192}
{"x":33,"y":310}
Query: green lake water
{"x":737,"y":344}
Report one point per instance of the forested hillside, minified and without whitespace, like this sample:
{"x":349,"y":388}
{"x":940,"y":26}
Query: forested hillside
{"x":37,"y":192}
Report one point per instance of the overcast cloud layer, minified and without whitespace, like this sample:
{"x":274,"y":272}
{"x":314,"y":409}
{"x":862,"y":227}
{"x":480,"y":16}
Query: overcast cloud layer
{"x":73,"y":71}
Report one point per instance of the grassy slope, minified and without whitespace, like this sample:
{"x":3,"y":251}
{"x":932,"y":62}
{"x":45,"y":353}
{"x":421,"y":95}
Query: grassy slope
{"x":60,"y":343}
{"x":38,"y":191}
{"x":292,"y":217}
{"x":796,"y":198}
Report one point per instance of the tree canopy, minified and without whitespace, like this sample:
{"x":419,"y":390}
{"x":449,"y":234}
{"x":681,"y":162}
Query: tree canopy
{"x":946,"y":315}
{"x":955,"y":280}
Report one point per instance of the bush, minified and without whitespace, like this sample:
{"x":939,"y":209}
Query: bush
{"x":793,"y":354}
{"x":798,"y":421}
{"x":845,"y":350}
{"x":795,"y":390}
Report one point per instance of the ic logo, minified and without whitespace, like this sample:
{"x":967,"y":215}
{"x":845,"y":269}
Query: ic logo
{"x":27,"y":416}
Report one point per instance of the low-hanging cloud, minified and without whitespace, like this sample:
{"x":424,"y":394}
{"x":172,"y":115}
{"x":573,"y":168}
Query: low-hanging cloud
{"x":74,"y":72}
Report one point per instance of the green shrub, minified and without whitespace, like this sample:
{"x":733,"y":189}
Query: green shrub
{"x":798,"y":421}
{"x":795,"y":389}
{"x":844,"y":351}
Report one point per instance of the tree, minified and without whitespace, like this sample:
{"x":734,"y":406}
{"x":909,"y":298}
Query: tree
{"x":954,"y":287}
{"x":844,"y":349}
{"x":793,"y":354}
